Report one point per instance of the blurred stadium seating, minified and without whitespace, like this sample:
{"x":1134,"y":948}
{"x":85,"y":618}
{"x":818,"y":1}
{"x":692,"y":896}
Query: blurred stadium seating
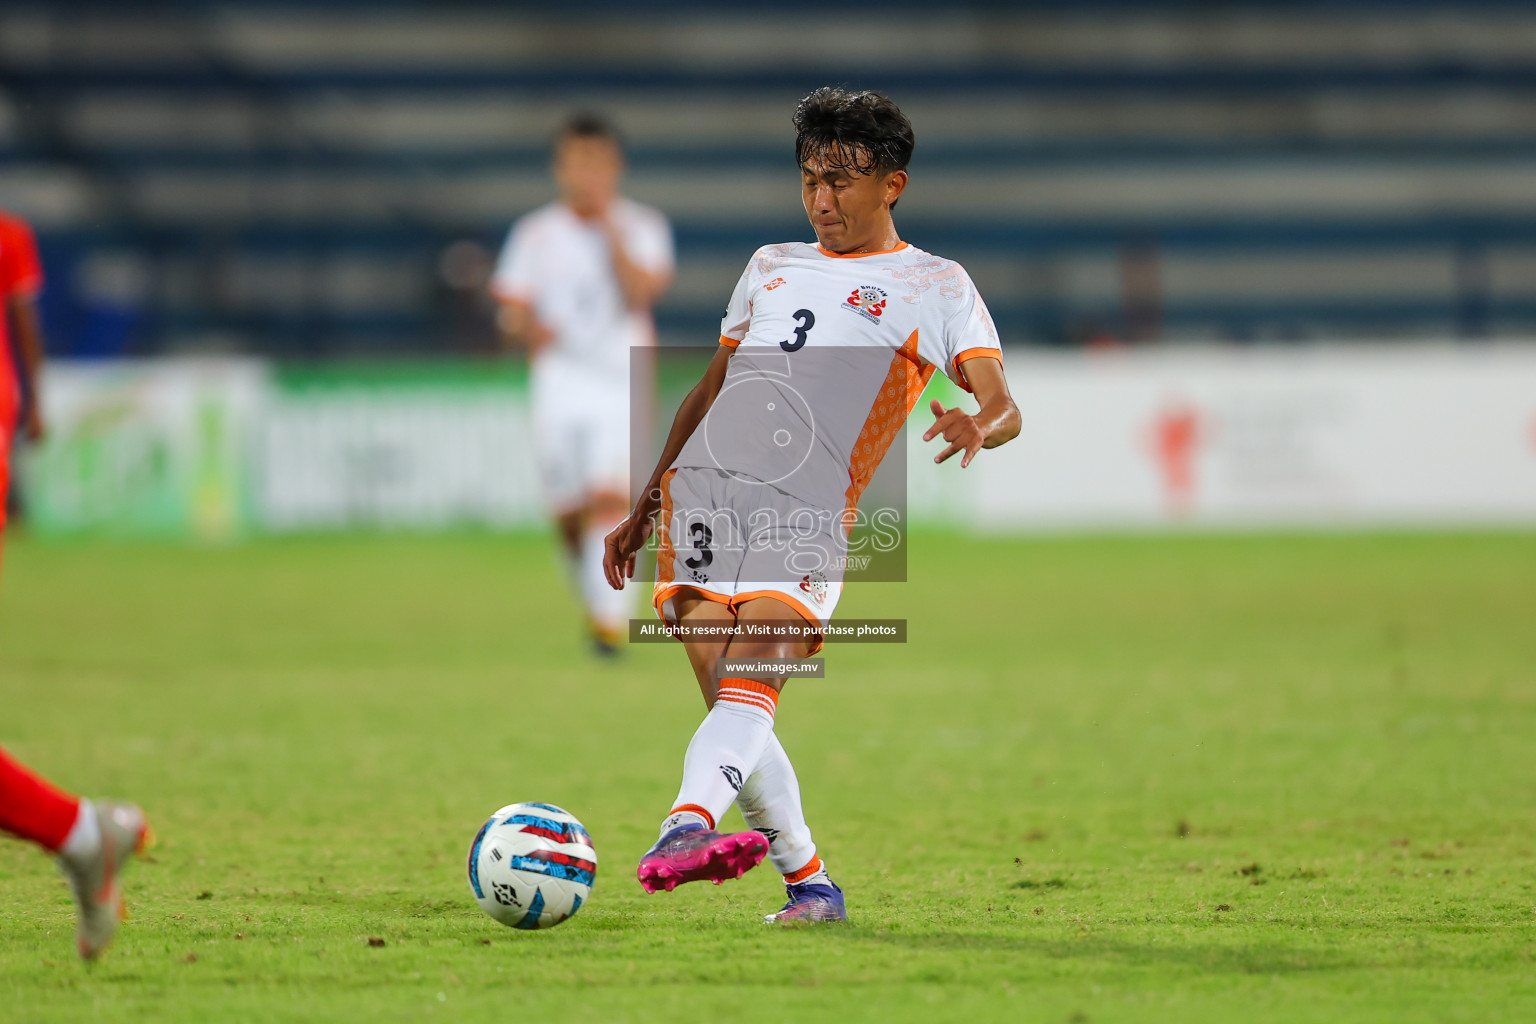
{"x":301,"y":181}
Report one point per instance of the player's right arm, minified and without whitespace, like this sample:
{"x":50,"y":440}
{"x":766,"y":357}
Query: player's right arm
{"x":629,"y":536}
{"x":642,"y":259}
{"x":513,"y":284}
{"x":520,"y":327}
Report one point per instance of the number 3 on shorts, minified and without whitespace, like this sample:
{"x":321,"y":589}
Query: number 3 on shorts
{"x":702,"y":537}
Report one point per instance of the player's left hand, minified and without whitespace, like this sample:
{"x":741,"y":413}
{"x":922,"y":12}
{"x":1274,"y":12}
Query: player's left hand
{"x":959,"y":428}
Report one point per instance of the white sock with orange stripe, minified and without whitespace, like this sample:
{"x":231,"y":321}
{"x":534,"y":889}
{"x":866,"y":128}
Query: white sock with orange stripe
{"x":814,"y":873}
{"x":770,"y":803}
{"x":725,"y":749}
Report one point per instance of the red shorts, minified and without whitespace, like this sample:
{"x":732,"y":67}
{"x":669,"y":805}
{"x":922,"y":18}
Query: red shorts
{"x":8,"y":411}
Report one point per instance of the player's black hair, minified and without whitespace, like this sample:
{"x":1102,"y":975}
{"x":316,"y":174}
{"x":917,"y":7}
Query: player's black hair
{"x":862,"y":132}
{"x":587,"y":125}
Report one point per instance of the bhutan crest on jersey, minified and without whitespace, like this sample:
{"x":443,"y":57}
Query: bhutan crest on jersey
{"x":815,"y":584}
{"x":867,"y":301}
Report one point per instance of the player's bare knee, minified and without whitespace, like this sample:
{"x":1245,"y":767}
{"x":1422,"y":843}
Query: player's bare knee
{"x":708,"y":626}
{"x":571,"y":525}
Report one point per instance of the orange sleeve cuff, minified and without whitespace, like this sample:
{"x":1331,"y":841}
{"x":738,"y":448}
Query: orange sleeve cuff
{"x":729,"y":342}
{"x":974,"y":353}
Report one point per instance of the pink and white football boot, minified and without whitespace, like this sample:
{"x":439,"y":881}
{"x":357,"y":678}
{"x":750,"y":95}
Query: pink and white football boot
{"x":693,"y":853}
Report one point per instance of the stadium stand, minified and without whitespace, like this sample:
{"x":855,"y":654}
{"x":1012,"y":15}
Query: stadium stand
{"x":328,"y":179}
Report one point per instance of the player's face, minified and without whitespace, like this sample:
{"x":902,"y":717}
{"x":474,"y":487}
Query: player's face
{"x":848,"y":210}
{"x":587,"y":171}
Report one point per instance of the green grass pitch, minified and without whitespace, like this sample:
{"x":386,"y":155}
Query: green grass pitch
{"x":1185,"y":778}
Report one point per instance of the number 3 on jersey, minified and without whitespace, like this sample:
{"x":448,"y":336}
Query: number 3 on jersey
{"x":807,"y":320}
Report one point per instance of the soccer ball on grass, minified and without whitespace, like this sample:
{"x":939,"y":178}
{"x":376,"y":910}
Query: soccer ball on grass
{"x":531,"y":865}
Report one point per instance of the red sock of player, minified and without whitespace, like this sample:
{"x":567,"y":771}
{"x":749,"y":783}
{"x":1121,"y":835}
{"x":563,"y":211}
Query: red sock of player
{"x":34,"y":808}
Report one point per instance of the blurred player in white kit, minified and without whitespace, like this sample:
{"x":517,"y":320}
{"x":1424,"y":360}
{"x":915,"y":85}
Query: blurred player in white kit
{"x":576,"y":282}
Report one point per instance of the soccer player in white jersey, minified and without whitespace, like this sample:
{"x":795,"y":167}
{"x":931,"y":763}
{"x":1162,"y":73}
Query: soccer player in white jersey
{"x":824,"y":350}
{"x":576,"y":282}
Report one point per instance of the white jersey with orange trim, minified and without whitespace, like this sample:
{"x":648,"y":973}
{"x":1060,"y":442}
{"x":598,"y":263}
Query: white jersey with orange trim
{"x":832,"y":352}
{"x":562,"y":266}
